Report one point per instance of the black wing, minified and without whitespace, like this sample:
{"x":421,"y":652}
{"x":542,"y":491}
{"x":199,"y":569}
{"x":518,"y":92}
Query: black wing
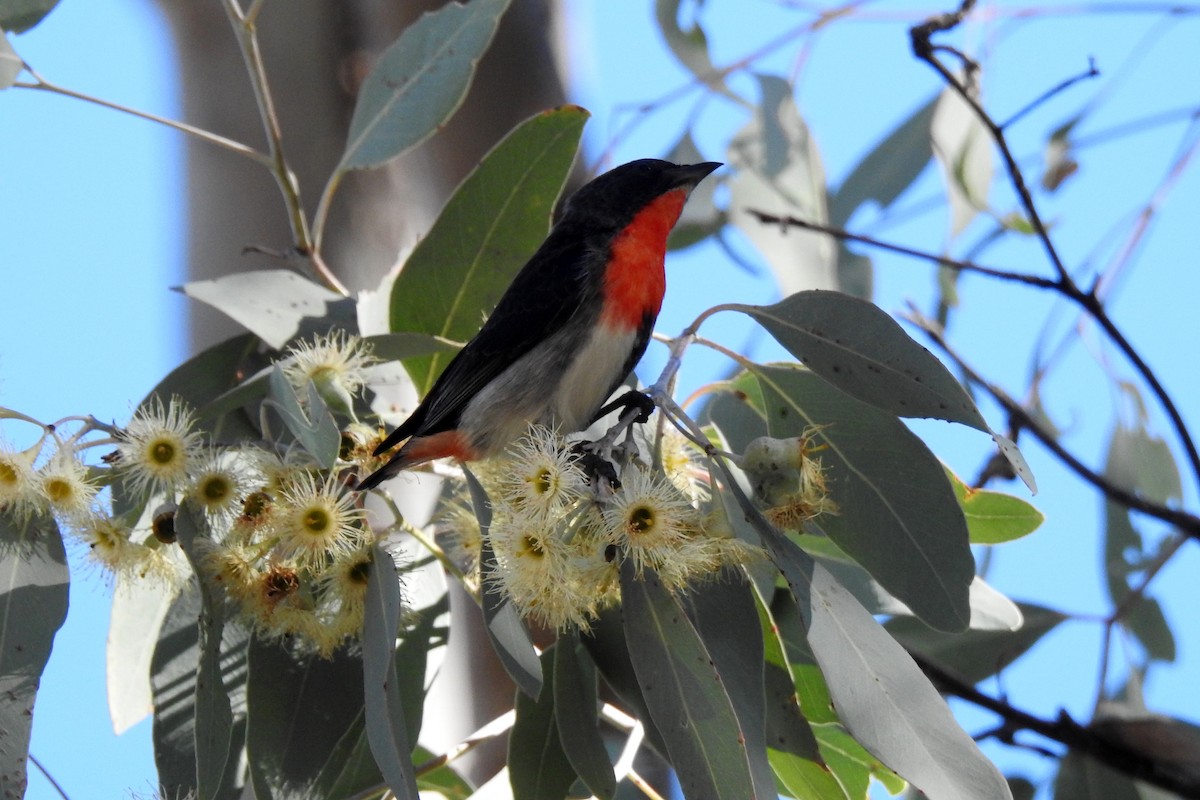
{"x":547,"y":292}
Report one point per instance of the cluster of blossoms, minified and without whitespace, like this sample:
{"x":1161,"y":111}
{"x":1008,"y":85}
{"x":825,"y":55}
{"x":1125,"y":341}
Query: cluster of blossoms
{"x":286,"y":540}
{"x":559,"y":536}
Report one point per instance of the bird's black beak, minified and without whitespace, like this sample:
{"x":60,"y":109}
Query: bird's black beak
{"x":691,"y":174}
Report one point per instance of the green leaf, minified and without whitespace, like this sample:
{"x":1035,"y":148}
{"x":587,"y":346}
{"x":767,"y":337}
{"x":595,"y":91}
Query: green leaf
{"x":1145,"y":620}
{"x":538,"y":768}
{"x":736,"y":409}
{"x":890,"y":168}
{"x":812,"y":691}
{"x":787,"y":730}
{"x":494,"y":222}
{"x":277,"y":305}
{"x":138,"y":610}
{"x":10,"y":63}
{"x":801,"y":778}
{"x":725,"y":615}
{"x":897,"y":515}
{"x":443,"y":780}
{"x":994,"y":517}
{"x":853,"y":765}
{"x":419,"y":82}
{"x":386,"y":730}
{"x":18,"y":16}
{"x":33,"y":605}
{"x":864,"y":352}
{"x":299,"y":709}
{"x":319,"y":436}
{"x":685,"y":693}
{"x":975,"y":654}
{"x":173,"y":680}
{"x":575,"y":710}
{"x":778,"y":170}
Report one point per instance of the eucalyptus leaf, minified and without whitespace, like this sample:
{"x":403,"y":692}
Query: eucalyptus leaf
{"x":691,"y":48}
{"x":213,"y":709}
{"x":490,"y":227}
{"x":575,"y":711}
{"x":685,"y":693}
{"x":33,"y":606}
{"x":314,"y":427}
{"x":890,"y":168}
{"x":207,"y":376}
{"x":778,"y":170}
{"x":963,"y":150}
{"x":386,"y":729}
{"x":725,"y":615}
{"x":419,"y":81}
{"x":443,"y":780}
{"x":1146,"y":621}
{"x":897,"y":515}
{"x":10,"y":63}
{"x":853,"y":765}
{"x":864,"y":352}
{"x":786,"y":728}
{"x":538,"y":767}
{"x":138,"y":610}
{"x":275,"y":304}
{"x":976,"y":654}
{"x":300,"y":706}
{"x":994,"y":517}
{"x":173,"y":681}
{"x":802,"y":778}
{"x":18,"y":16}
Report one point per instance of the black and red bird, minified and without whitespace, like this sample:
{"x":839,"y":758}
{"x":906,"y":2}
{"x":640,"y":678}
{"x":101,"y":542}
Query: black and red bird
{"x":569,"y":329}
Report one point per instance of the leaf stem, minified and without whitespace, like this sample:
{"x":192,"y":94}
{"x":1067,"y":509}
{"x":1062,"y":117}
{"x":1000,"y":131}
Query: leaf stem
{"x":43,"y":85}
{"x":245,"y":28}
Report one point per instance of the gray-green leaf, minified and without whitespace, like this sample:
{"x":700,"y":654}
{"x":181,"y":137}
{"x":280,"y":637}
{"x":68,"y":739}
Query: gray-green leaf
{"x":18,"y":16}
{"x":419,"y":81}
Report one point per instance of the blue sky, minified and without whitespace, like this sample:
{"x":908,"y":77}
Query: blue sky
{"x":93,"y":221}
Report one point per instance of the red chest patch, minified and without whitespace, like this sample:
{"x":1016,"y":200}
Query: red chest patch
{"x":635,"y":280}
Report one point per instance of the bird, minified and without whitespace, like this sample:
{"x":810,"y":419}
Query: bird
{"x":568,"y":330}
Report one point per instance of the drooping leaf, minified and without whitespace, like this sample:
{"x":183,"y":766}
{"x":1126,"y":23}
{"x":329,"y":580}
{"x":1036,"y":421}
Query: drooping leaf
{"x":387,"y":732}
{"x":575,"y":710}
{"x":890,"y":168}
{"x":18,"y":16}
{"x":300,"y":707}
{"x":213,"y":706}
{"x":443,"y":780}
{"x":276,"y":305}
{"x":690,"y":46}
{"x":964,"y":152}
{"x":975,"y":654}
{"x":538,"y":767}
{"x":994,"y":517}
{"x":725,"y":615}
{"x":10,"y":63}
{"x":778,"y":170}
{"x":488,"y":230}
{"x":802,"y":778}
{"x":787,"y":730}
{"x":1083,"y":778}
{"x":897,"y":515}
{"x":864,"y":352}
{"x":419,"y":81}
{"x":685,"y":693}
{"x":1146,"y":621}
{"x":506,"y":631}
{"x":33,"y":605}
{"x":173,"y":680}
{"x":852,"y":765}
{"x":138,"y":610}
{"x":313,"y":427}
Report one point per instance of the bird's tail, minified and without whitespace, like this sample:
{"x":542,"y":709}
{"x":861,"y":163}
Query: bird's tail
{"x":420,"y":450}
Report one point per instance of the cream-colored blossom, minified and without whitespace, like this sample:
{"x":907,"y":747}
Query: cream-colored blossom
{"x":336,"y":363}
{"x":317,"y":523}
{"x":158,"y":449}
{"x":20,"y":496}
{"x":66,"y":485}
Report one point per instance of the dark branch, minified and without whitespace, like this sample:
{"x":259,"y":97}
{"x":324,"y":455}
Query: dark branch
{"x":1134,"y":763}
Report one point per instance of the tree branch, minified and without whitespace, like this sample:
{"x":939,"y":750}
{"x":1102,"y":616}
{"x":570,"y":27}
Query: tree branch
{"x":1134,"y":763}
